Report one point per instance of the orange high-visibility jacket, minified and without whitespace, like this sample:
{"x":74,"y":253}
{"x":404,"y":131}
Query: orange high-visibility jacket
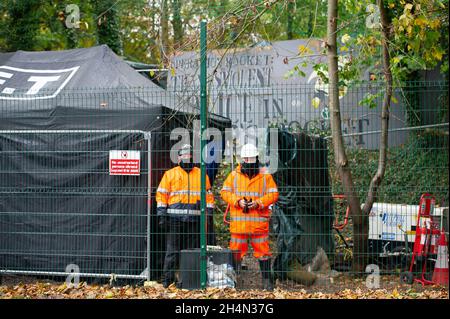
{"x":261,"y":188}
{"x":178,"y":194}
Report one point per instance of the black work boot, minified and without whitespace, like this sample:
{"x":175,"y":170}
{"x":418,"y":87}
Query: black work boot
{"x":236,"y":261}
{"x":168,"y":280}
{"x":266,"y":274}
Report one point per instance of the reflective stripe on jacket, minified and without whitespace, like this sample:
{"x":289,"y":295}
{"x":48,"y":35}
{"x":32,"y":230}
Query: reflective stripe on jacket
{"x":261,"y":188}
{"x":178,"y":193}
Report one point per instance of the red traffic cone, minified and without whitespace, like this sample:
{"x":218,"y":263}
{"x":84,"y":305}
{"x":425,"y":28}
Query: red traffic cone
{"x":440,"y":274}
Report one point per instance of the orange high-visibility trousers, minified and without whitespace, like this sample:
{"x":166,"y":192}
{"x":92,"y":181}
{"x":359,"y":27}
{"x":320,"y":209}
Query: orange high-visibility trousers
{"x":259,"y":242}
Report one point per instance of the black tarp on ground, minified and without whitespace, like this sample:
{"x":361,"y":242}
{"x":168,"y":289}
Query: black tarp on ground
{"x":58,"y":203}
{"x":303,"y":215}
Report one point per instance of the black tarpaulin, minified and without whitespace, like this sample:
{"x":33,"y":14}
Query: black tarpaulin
{"x":303,"y":215}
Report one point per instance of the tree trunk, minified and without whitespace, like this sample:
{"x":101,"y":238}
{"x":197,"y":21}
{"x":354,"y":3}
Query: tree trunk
{"x":290,"y":20}
{"x":341,"y":162}
{"x":177,"y":24}
{"x":164,"y":33}
{"x":376,"y":180}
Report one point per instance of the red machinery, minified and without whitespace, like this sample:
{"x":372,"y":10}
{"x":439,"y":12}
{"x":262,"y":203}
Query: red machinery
{"x":336,"y":224}
{"x":425,"y":243}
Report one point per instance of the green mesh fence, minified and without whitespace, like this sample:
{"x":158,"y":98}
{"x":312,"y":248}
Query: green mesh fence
{"x":80,"y":170}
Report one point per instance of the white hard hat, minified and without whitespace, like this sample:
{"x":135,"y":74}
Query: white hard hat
{"x":186,"y":149}
{"x":249,"y":150}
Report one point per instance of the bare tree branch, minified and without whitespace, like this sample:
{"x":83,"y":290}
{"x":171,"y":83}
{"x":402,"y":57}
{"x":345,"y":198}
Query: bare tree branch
{"x":359,"y":225}
{"x":376,"y":180}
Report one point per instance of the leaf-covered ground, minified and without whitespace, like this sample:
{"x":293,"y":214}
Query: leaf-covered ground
{"x":355,"y":290}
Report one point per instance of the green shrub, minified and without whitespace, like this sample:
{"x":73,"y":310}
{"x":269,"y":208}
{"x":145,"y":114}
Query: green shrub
{"x":418,"y":166}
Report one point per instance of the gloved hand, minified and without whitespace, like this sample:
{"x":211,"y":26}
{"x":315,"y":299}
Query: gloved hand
{"x":252,"y":205}
{"x":242,"y":203}
{"x":162,"y":221}
{"x":246,"y":205}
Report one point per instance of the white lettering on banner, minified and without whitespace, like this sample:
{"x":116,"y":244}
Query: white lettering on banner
{"x":45,"y":84}
{"x":5,"y":75}
{"x":40,"y":82}
{"x":123,"y":162}
{"x":252,"y":87}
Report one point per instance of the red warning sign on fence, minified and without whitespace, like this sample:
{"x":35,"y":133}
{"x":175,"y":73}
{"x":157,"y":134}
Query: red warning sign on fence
{"x":124,"y":162}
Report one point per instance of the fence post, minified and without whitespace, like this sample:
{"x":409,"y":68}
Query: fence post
{"x":148,"y":137}
{"x":203,"y":111}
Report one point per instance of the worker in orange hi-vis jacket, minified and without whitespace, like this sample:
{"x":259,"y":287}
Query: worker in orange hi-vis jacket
{"x":249,"y":192}
{"x":178,"y":210}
